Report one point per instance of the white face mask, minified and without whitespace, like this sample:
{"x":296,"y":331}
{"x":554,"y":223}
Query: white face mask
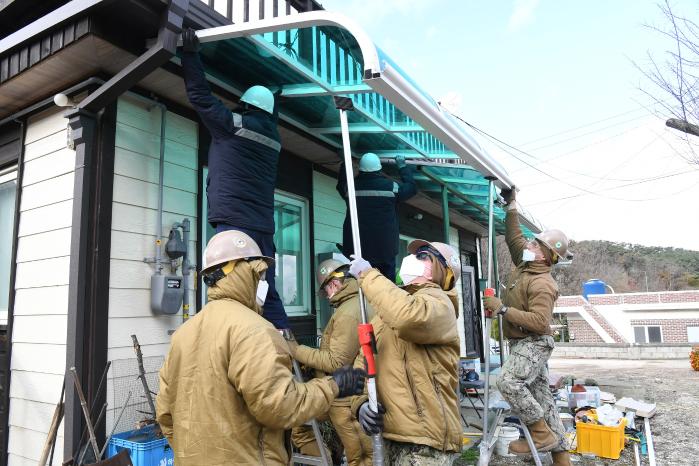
{"x":261,"y":293}
{"x":528,"y":256}
{"x":411,"y":268}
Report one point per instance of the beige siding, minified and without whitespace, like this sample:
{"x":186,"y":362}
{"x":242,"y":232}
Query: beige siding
{"x":134,"y":223}
{"x":41,"y":291}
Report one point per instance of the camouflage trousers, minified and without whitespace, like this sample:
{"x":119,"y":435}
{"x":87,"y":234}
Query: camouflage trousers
{"x":410,"y":454}
{"x":524,"y":382}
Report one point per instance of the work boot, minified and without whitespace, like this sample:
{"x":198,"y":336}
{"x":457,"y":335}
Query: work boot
{"x":543,"y":437}
{"x":560,"y":458}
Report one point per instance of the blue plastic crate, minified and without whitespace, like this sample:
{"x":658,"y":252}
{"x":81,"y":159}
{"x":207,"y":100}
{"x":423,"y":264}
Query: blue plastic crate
{"x":144,"y":448}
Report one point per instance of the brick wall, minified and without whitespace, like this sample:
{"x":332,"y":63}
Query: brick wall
{"x":570,"y":301}
{"x":674,"y":330}
{"x":644,"y":298}
{"x":622,"y":351}
{"x":583,"y":332}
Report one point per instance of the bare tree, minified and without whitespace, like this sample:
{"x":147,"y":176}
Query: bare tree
{"x":676,"y":75}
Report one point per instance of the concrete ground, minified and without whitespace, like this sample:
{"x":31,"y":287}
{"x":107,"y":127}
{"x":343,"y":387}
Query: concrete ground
{"x":671,"y":384}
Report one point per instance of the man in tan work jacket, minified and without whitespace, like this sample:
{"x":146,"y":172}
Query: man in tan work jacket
{"x":227,"y":392}
{"x":339,"y":347}
{"x":527,"y":313}
{"x":417,"y":356}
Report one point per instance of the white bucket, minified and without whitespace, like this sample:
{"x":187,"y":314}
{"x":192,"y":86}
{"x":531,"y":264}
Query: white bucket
{"x":507,"y":435}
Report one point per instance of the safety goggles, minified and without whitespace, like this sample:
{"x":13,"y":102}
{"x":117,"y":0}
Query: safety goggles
{"x":426,"y":252}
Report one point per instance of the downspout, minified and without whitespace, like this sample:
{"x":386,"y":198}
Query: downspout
{"x":161,"y":168}
{"x":445,"y":212}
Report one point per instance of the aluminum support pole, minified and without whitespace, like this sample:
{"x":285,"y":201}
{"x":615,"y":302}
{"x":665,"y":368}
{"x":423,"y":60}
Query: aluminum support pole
{"x":496,"y":282}
{"x":485,"y":451}
{"x":377,"y":439}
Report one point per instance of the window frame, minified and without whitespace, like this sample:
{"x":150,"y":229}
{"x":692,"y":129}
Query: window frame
{"x":645,"y":333}
{"x":290,"y":198}
{"x":697,"y":331}
{"x":8,"y":173}
{"x":306,"y":273}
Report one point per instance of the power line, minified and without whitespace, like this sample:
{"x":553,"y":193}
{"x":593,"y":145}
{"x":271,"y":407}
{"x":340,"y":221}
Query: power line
{"x":647,"y":180}
{"x":583,"y":126}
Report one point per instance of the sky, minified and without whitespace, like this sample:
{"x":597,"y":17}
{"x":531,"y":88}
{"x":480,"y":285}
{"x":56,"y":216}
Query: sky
{"x":560,"y":81}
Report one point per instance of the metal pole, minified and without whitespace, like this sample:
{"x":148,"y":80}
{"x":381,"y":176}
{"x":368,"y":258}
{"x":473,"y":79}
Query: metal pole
{"x":445,"y":212}
{"x":352,"y":204}
{"x":161,"y":169}
{"x":496,"y":278}
{"x":485,"y":443}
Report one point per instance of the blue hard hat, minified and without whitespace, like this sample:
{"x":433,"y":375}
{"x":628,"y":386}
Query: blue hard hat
{"x":260,"y":97}
{"x":369,"y":163}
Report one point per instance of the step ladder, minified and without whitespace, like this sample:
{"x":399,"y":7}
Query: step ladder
{"x":299,"y":458}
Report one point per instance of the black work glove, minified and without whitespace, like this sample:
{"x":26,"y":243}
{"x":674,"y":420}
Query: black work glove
{"x":190,"y":41}
{"x":371,"y":422}
{"x":349,"y":381}
{"x":509,"y":195}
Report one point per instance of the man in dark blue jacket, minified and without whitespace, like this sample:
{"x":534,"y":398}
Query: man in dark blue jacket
{"x":377,"y":208}
{"x":242,"y":163}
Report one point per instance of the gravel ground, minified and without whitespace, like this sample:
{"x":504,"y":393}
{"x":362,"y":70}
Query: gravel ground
{"x":672,"y":385}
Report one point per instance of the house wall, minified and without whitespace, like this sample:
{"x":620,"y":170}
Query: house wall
{"x":134,"y":223}
{"x":41,"y":286}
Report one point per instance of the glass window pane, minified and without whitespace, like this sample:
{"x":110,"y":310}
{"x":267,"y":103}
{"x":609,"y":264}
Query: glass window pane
{"x":654,"y":335}
{"x":693,"y":334}
{"x":291,"y":261}
{"x":639,"y":334}
{"x":8,"y":190}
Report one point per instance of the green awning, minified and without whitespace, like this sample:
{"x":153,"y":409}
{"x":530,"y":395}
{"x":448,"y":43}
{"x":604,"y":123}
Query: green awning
{"x":326,"y":54}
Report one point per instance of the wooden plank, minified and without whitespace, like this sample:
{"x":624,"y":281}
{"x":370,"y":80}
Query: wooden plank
{"x":324,"y":246}
{"x":327,"y":201}
{"x":31,"y":414}
{"x":47,"y":192}
{"x":139,"y":193}
{"x":47,"y":218}
{"x":329,"y":217}
{"x":135,"y":246}
{"x":137,"y":219}
{"x":181,"y":130}
{"x":40,"y":329}
{"x":126,"y":352}
{"x":130,"y":274}
{"x":142,"y":142}
{"x":327,"y":233}
{"x":27,"y":443}
{"x":48,"y":300}
{"x":47,"y":272}
{"x":47,"y":245}
{"x":46,"y":145}
{"x":136,"y":114}
{"x":45,"y":358}
{"x":35,"y":386}
{"x":49,"y":166}
{"x":150,"y":330}
{"x":141,"y":167}
{"x":44,"y":124}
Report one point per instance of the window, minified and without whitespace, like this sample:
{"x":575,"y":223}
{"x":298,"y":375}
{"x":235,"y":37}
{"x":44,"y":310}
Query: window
{"x":291,"y":237}
{"x":293,"y":272}
{"x":648,"y":334}
{"x":693,"y":334}
{"x":8,"y":191}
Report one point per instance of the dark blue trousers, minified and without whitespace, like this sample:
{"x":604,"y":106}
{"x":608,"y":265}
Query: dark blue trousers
{"x":273,"y":310}
{"x":387,"y":269}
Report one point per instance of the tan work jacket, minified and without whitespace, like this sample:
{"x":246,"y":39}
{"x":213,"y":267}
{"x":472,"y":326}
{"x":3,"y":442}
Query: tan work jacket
{"x":531,"y":290}
{"x":418,"y":353}
{"x":227,"y":392}
{"x":340,"y":343}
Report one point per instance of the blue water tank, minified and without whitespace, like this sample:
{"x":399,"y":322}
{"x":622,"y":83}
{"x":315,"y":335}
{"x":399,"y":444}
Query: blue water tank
{"x":594,"y":286}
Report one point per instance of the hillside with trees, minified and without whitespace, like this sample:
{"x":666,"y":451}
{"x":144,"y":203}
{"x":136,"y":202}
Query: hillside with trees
{"x":627,"y":268}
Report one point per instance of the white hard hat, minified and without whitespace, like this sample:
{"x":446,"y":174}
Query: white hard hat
{"x":369,"y":163}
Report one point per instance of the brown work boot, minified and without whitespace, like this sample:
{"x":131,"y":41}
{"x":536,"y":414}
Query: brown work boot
{"x":543,"y":436}
{"x":560,"y":458}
